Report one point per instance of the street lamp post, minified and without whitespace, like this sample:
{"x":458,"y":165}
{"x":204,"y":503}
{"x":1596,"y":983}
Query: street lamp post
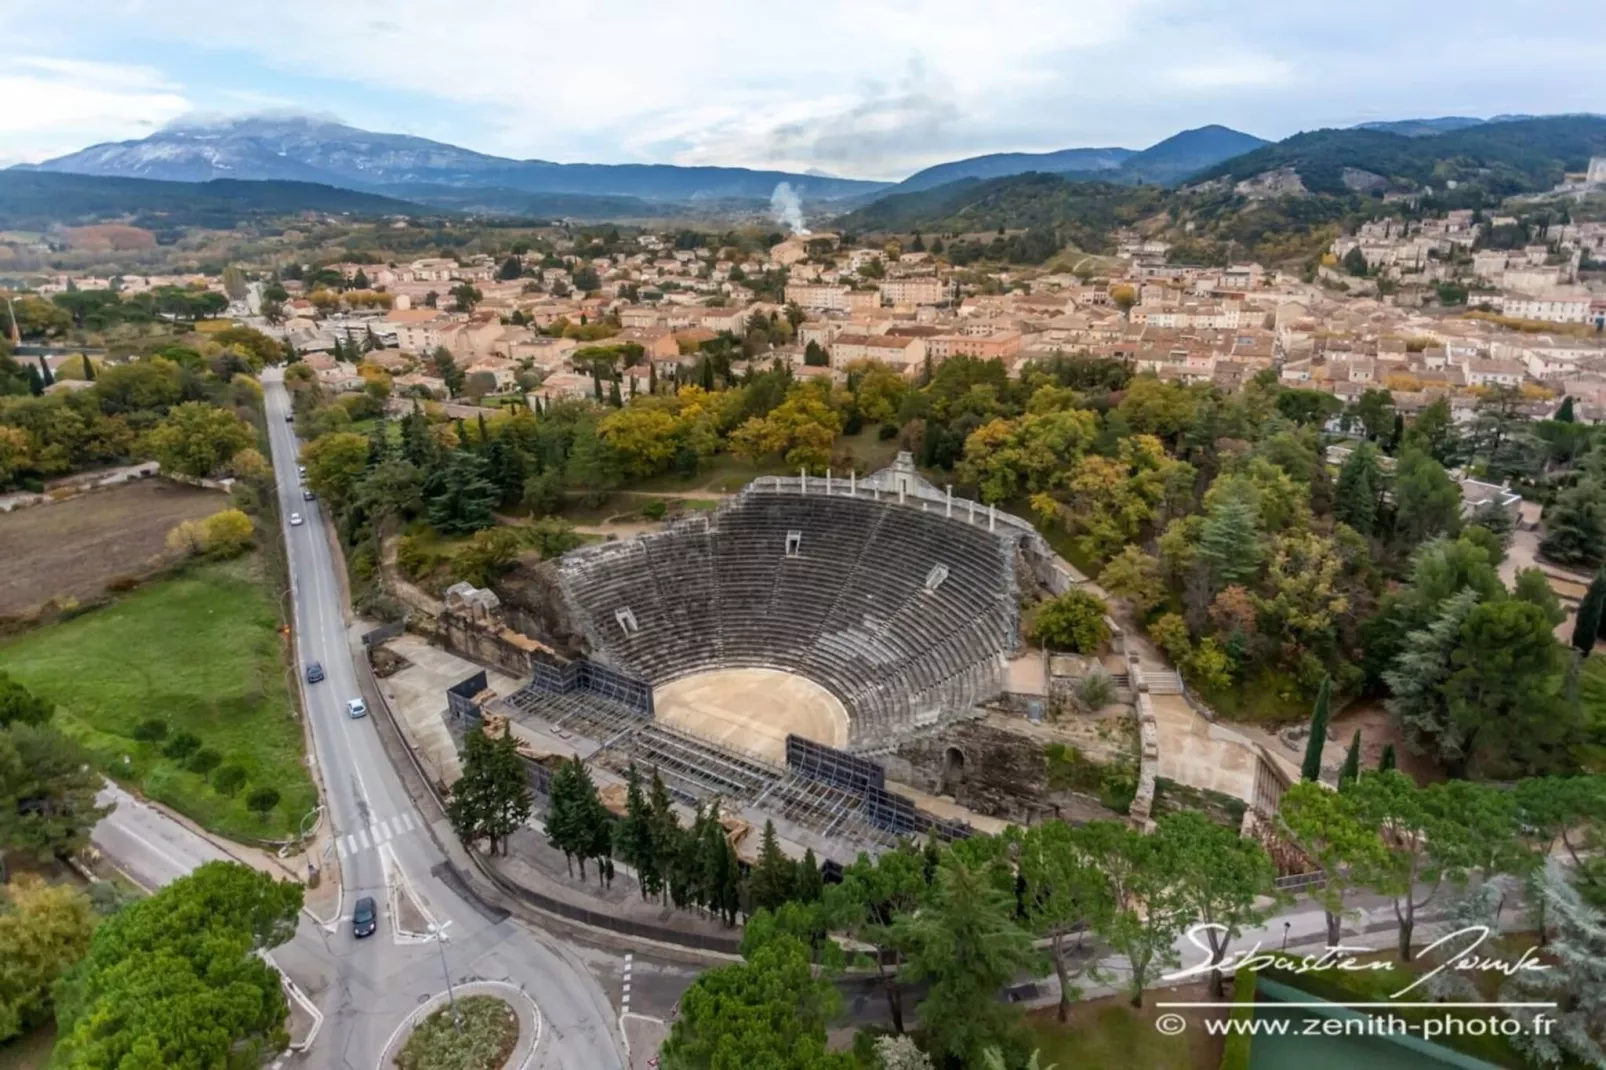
{"x":439,"y":933}
{"x":301,"y":834}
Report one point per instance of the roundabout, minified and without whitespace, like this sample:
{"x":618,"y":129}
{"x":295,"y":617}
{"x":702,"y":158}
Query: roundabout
{"x":498,"y":1027}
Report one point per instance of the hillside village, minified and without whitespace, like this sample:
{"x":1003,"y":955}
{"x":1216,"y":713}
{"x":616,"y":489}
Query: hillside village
{"x":1535,"y":326}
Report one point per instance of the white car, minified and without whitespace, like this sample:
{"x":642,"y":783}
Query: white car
{"x":295,"y":520}
{"x":355,"y":709}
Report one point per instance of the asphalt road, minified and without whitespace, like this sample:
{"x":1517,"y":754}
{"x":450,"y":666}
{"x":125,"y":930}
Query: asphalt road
{"x":148,"y":845}
{"x":365,"y":988}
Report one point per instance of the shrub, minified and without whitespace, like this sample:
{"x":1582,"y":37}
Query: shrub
{"x":655,"y":509}
{"x":227,"y":534}
{"x":120,"y":584}
{"x":228,"y":779}
{"x":204,"y":761}
{"x":1095,"y":691}
{"x":1074,"y":621}
{"x":261,"y":801}
{"x":182,"y":746}
{"x":153,"y":730}
{"x":887,"y":432}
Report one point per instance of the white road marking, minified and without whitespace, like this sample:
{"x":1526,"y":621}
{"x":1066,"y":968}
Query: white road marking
{"x":362,"y":838}
{"x":382,"y":831}
{"x":341,"y":844}
{"x":407,"y":822}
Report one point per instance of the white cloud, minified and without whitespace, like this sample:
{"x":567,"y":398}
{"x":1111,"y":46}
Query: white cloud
{"x":721,"y":81}
{"x":57,"y":105}
{"x":1249,"y":72}
{"x":865,"y":87}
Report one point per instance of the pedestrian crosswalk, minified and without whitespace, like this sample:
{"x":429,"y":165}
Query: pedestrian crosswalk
{"x":376,"y":833}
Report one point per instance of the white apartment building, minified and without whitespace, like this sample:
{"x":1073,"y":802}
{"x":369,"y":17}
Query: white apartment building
{"x":1549,"y":308}
{"x":921,"y":290}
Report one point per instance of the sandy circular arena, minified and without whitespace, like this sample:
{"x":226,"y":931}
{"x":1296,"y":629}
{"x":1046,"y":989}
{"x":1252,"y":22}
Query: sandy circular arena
{"x":752,"y":710}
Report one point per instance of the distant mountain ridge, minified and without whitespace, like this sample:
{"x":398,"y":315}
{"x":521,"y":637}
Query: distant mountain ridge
{"x":1002,"y":164}
{"x":1503,"y":158}
{"x":302,"y":149}
{"x":38,"y":199}
{"x":1163,"y":162}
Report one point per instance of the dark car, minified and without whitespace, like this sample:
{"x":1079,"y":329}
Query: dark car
{"x":314,"y":673}
{"x":364,"y":917}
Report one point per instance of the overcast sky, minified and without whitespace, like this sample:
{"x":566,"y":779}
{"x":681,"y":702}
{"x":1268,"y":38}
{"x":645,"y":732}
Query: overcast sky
{"x":863,"y":88}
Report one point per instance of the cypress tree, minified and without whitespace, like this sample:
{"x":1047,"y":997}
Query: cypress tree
{"x":770,"y":883}
{"x":614,"y":398}
{"x":36,"y":385}
{"x":44,"y":373}
{"x":636,"y":844}
{"x":1351,"y":769}
{"x":561,"y":815}
{"x":1311,"y":769}
{"x":1385,"y":762}
{"x":1564,"y":415}
{"x":810,"y":884}
{"x":1591,"y":610}
{"x":89,"y":369}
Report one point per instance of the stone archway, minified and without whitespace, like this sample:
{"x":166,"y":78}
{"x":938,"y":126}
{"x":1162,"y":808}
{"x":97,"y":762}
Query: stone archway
{"x":953,"y":771}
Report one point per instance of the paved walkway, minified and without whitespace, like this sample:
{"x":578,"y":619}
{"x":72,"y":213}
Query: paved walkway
{"x":1192,"y":750}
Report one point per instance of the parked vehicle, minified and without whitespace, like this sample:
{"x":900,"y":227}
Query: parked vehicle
{"x":314,"y":673}
{"x":365,"y":917}
{"x":307,"y":495}
{"x":355,"y":708}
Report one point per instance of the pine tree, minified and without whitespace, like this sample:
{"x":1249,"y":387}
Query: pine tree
{"x":1591,"y":610}
{"x":1311,"y":769}
{"x":1351,"y":769}
{"x":1417,"y":677}
{"x":1385,"y":761}
{"x":1229,"y":542}
{"x":1355,"y":499}
{"x":771,"y":882}
{"x":1575,"y":981}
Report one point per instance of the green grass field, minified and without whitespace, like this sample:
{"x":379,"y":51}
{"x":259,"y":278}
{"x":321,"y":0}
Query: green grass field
{"x":202,"y":652}
{"x":1110,"y":1033}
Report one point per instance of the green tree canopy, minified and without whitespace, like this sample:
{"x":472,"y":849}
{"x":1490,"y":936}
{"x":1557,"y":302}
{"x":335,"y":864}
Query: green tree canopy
{"x":175,"y":980}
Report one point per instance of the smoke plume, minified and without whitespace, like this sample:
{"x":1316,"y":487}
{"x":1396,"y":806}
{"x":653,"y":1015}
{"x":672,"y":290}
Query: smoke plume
{"x":786,"y":208}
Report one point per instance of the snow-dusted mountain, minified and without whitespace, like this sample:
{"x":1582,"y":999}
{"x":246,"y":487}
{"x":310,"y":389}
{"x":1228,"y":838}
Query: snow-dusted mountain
{"x":316,"y":150}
